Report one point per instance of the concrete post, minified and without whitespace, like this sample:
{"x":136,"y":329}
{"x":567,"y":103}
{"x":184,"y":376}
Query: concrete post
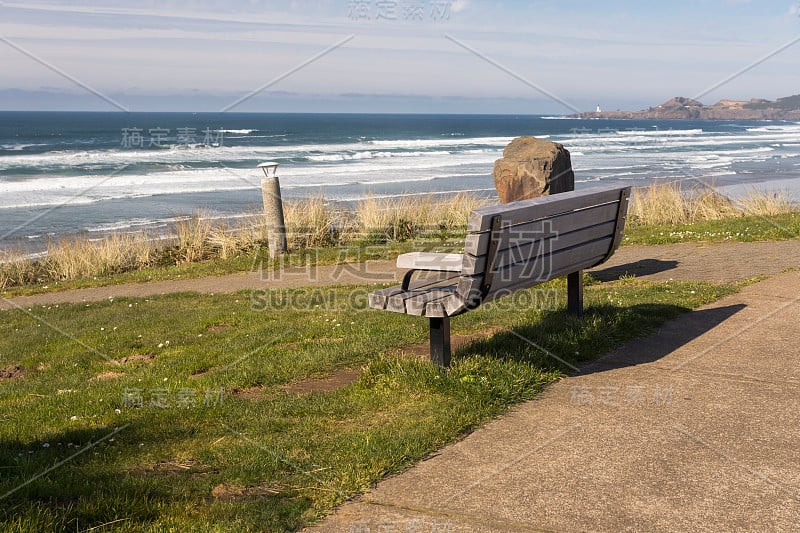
{"x":273,"y":209}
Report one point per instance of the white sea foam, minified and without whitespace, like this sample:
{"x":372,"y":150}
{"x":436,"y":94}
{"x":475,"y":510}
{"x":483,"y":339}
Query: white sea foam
{"x":19,"y":147}
{"x":200,"y":154}
{"x":375,"y":155}
{"x":130,"y":224}
{"x":638,"y":132}
{"x":795,"y":127}
{"x":74,"y":190}
{"x":430,"y":143}
{"x":85,"y":189}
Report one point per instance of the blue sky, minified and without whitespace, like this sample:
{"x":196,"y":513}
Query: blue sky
{"x":462,"y":56}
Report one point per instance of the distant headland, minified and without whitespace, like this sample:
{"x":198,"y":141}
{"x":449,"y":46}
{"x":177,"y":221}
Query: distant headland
{"x":681,"y":108}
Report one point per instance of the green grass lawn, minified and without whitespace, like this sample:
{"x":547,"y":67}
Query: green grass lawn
{"x":741,"y":229}
{"x":195,"y":432}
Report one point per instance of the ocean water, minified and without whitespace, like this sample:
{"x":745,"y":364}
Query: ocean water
{"x":64,"y":173}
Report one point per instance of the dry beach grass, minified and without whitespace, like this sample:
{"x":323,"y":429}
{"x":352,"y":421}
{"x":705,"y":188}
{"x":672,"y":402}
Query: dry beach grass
{"x":669,"y":203}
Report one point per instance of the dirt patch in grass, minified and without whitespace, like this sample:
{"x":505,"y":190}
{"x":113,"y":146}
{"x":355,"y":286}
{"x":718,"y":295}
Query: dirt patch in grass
{"x":106,"y":376}
{"x":253,"y":393}
{"x":200,"y":372}
{"x":228,"y":493}
{"x":344,"y":377}
{"x":133,"y":358}
{"x":337,"y":380}
{"x":11,"y":373}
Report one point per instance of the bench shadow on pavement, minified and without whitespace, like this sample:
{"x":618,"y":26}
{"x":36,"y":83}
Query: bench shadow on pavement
{"x":644,"y":267}
{"x":680,"y":332}
{"x":664,"y":328}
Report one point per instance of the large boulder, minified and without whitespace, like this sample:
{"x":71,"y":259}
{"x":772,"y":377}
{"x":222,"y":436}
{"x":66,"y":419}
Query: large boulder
{"x":532,"y":167}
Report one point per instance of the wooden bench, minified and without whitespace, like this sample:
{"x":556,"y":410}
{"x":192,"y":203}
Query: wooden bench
{"x":510,"y":247}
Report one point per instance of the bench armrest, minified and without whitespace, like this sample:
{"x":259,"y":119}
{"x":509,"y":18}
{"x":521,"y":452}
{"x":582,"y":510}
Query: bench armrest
{"x":430,"y":261}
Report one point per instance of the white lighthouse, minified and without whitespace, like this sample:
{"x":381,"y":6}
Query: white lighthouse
{"x":598,"y":110}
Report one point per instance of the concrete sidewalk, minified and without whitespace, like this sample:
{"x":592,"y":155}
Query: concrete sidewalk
{"x":695,"y":428}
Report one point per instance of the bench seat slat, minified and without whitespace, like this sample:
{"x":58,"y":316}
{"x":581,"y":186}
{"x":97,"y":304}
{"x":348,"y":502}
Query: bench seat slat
{"x":444,"y":305}
{"x":413,"y":302}
{"x":418,"y":305}
{"x":437,"y":309}
{"x":378,"y":298}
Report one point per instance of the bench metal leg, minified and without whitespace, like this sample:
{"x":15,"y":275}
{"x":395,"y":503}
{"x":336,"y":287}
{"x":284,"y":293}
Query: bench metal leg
{"x":440,"y":340}
{"x":575,"y":293}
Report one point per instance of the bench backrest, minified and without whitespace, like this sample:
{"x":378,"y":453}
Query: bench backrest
{"x":520,"y":244}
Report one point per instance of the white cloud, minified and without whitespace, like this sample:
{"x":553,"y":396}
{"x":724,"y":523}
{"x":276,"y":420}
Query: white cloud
{"x":459,"y":5}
